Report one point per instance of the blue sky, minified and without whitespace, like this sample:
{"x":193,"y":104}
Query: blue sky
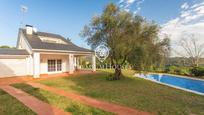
{"x":67,"y":17}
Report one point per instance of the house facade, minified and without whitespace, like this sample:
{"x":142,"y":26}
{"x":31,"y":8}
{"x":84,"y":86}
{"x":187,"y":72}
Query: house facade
{"x":39,"y":53}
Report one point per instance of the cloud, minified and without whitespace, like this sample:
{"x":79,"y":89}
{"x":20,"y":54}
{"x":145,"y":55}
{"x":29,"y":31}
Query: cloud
{"x":190,"y":21}
{"x":185,"y":6}
{"x":130,"y":1}
{"x":131,"y":5}
{"x":127,"y":2}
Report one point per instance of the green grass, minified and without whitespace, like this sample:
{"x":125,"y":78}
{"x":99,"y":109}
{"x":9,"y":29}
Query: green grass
{"x":68,"y":105}
{"x":133,"y":92}
{"x":10,"y":106}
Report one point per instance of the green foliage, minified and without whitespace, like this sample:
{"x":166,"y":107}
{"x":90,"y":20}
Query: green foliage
{"x":130,"y":38}
{"x":5,"y":46}
{"x":178,"y":70}
{"x":197,"y":71}
{"x":189,"y":71}
{"x":171,"y":69}
{"x":184,"y":71}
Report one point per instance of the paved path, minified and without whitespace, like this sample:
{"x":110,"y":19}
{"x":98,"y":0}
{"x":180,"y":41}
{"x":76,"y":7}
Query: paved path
{"x":120,"y":110}
{"x":38,"y":106}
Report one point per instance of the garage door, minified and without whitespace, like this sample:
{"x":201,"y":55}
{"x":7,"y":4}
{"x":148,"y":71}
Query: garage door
{"x":12,"y":67}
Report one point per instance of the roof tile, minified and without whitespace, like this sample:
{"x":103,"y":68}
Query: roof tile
{"x":11,"y":51}
{"x":36,"y":42}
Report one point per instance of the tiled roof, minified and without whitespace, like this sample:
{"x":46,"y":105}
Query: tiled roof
{"x":36,"y":42}
{"x":10,"y":51}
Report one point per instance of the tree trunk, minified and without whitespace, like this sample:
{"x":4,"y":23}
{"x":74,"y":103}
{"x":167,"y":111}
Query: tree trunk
{"x":118,"y":72}
{"x":197,"y":62}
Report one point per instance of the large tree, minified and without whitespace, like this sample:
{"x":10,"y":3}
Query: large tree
{"x":129,"y":38}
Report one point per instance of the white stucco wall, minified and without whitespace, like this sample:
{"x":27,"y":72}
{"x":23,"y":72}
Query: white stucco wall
{"x":36,"y":65}
{"x":30,"y":64}
{"x":23,"y":43}
{"x":44,"y":59}
{"x":71,"y":63}
{"x":13,"y":67}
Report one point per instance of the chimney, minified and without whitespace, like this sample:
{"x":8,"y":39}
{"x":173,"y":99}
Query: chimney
{"x":29,"y":29}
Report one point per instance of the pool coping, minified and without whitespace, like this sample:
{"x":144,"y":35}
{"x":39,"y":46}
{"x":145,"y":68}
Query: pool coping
{"x":176,"y":87}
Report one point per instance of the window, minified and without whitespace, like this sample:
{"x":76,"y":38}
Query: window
{"x":59,"y":65}
{"x":52,"y":40}
{"x":51,"y":65}
{"x":54,"y":65}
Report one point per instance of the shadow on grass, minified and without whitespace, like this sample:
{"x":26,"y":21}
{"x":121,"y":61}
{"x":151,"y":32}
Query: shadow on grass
{"x":133,"y":92}
{"x":34,"y":92}
{"x":31,"y":90}
{"x":68,"y":105}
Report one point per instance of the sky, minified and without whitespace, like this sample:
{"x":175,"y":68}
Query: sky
{"x":68,"y":17}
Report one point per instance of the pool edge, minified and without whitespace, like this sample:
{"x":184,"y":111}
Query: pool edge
{"x":176,"y":87}
{"x":182,"y":76}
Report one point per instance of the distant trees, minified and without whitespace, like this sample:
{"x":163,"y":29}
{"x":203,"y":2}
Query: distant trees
{"x":192,"y":49}
{"x":5,"y":46}
{"x":130,"y":39}
{"x":68,"y":39}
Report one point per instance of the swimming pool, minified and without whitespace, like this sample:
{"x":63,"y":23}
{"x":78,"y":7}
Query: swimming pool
{"x":184,"y":83}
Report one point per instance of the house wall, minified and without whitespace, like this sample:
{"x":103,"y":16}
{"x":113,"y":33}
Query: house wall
{"x":30,"y":64}
{"x":23,"y":43}
{"x":13,"y":66}
{"x":44,"y":59}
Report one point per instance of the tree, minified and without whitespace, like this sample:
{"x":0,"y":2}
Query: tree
{"x":125,"y":34}
{"x":150,"y":56}
{"x":192,"y":48}
{"x":5,"y":46}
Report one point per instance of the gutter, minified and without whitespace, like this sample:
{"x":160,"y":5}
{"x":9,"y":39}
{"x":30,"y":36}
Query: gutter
{"x":63,"y":51}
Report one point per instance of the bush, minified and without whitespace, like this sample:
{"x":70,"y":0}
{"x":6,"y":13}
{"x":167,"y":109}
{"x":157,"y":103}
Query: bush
{"x":178,"y":70}
{"x":194,"y":71}
{"x":197,"y":71}
{"x":171,"y":69}
{"x":184,"y":71}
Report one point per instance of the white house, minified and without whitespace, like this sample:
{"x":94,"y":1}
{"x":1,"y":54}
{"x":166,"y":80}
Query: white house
{"x":40,"y":53}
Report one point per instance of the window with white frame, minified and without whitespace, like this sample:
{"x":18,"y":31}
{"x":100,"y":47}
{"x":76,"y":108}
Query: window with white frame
{"x":54,"y":65}
{"x":59,"y":65}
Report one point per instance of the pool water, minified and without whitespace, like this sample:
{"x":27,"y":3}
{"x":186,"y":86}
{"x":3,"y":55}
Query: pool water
{"x":180,"y":82}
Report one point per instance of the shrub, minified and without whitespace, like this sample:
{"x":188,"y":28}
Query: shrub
{"x":178,"y":70}
{"x":184,"y":71}
{"x":197,"y":71}
{"x":171,"y":69}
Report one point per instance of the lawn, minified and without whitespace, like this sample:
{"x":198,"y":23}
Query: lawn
{"x":10,"y":106}
{"x":133,"y":92}
{"x":68,"y":105}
